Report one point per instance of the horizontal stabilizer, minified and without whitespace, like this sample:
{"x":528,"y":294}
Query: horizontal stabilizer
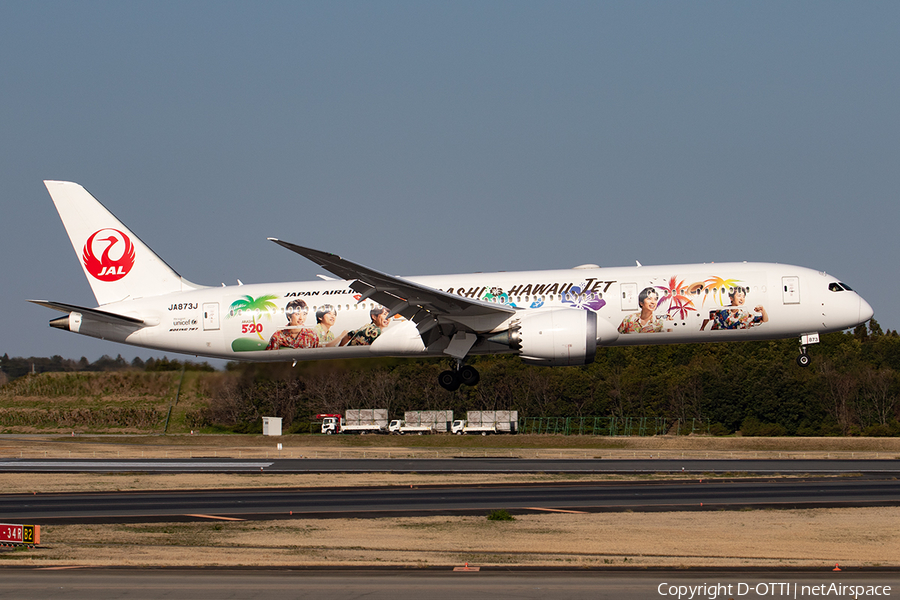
{"x":100,"y":315}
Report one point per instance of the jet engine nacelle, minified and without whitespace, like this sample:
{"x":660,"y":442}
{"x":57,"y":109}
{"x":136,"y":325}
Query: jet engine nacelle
{"x":559,"y":337}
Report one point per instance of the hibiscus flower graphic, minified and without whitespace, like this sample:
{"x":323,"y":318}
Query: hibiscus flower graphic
{"x":586,"y":301}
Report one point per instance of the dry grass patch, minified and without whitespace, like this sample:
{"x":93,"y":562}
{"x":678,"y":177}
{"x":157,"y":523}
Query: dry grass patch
{"x":817,"y":537}
{"x":439,"y":446}
{"x":121,"y":482}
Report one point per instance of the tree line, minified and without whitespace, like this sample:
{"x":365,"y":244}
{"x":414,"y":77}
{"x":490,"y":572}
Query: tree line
{"x":852,"y":387}
{"x":756,"y":388}
{"x":13,"y":368}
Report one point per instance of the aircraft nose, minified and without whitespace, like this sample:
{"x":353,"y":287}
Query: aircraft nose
{"x":865,"y":311}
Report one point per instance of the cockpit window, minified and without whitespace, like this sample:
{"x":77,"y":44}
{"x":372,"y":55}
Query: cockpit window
{"x":835,"y":286}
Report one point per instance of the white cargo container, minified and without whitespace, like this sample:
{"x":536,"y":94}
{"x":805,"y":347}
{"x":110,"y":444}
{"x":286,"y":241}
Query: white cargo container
{"x":437,"y":420}
{"x":271,"y":425}
{"x":422,"y":421}
{"x":367,"y":416}
{"x":486,"y":422}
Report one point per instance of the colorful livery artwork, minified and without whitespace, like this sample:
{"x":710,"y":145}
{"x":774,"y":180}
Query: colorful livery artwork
{"x":552,"y":318}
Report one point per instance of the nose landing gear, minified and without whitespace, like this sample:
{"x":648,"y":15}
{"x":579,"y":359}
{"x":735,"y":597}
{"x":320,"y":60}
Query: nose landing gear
{"x":806,"y":340}
{"x":451,"y":379}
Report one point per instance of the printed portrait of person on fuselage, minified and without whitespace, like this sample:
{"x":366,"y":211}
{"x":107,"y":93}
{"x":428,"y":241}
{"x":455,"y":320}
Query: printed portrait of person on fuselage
{"x":644,"y":321}
{"x":295,"y":335}
{"x":736,"y":316}
{"x":325,"y":318}
{"x":369,"y":333}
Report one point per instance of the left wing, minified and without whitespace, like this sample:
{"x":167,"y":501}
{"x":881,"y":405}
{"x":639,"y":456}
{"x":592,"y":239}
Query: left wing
{"x":435,"y":313}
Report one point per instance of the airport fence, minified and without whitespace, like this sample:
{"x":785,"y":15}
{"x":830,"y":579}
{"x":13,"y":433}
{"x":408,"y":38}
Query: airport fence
{"x":611,"y":426}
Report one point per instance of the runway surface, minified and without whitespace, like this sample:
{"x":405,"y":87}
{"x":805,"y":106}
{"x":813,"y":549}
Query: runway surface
{"x":455,"y":465}
{"x":215,"y":584}
{"x":115,"y":507}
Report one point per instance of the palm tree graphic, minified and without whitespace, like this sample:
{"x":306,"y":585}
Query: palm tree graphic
{"x":256,"y":307}
{"x":719,"y":288}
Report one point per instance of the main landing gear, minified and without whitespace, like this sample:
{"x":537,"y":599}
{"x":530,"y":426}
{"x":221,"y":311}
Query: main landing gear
{"x":451,"y":379}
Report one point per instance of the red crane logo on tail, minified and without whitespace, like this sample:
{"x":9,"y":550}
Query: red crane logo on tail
{"x":107,"y":268}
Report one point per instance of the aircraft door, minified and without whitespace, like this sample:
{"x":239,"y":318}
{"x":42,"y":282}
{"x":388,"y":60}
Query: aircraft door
{"x":210,"y":316}
{"x":791,"y":289}
{"x":629,"y":296}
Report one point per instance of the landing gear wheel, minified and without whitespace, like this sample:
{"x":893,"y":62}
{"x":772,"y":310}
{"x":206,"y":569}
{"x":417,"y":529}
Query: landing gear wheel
{"x":449,"y":380}
{"x":804,"y":359}
{"x":468,"y":375}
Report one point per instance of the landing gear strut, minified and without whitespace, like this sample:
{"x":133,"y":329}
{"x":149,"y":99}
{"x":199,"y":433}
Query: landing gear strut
{"x":806,"y":340}
{"x":451,"y":379}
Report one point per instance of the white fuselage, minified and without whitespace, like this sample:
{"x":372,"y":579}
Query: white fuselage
{"x":551,"y":318}
{"x":693,"y":303}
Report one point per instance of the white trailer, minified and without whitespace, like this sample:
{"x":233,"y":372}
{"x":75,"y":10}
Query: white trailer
{"x":461,"y":426}
{"x":402,"y":427}
{"x":376,"y":422}
{"x":362,"y":428}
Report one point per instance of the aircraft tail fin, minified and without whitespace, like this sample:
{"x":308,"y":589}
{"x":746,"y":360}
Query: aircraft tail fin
{"x":117,"y":264}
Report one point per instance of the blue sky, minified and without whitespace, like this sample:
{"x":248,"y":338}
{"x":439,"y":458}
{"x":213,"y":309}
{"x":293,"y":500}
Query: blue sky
{"x":446,"y":137}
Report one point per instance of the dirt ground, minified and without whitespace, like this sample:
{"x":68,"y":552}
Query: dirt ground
{"x":815,"y":537}
{"x":439,"y":446}
{"x":809,"y":538}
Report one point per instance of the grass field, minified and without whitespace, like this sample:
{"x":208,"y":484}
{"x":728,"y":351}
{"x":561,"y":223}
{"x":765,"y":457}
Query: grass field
{"x":436,"y":446}
{"x":804,"y":538}
{"x":808,"y":538}
{"x":121,"y":415}
{"x":114,"y":402}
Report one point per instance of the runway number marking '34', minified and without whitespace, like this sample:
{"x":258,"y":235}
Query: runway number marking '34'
{"x":20,"y":534}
